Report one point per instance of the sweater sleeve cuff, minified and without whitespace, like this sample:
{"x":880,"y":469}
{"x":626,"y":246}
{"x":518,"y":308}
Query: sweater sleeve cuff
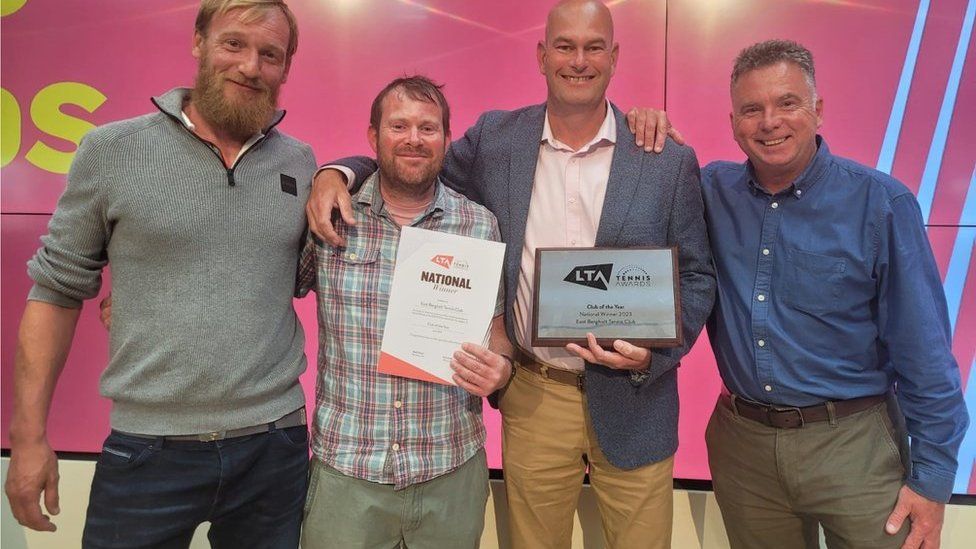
{"x":933,"y":485}
{"x":47,"y":295}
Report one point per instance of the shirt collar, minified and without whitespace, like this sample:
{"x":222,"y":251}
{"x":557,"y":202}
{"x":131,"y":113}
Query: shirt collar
{"x":606,"y":134}
{"x":172,"y":102}
{"x":369,"y":196}
{"x":808,"y":178}
{"x":193,"y":128}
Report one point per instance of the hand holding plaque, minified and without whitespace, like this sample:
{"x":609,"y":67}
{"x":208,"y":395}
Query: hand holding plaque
{"x":614,"y":293}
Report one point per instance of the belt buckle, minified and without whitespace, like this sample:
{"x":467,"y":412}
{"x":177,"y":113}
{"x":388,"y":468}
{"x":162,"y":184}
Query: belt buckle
{"x":778,"y":410}
{"x":212,"y":436}
{"x":580,"y":379}
{"x":544,"y":370}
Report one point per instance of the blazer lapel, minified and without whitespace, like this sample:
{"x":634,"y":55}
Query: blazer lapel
{"x":622,"y":186}
{"x":524,"y":156}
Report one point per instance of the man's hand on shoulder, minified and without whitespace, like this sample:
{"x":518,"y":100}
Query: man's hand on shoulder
{"x":33,"y":469}
{"x":479,"y":370}
{"x":651,"y":127}
{"x":624,"y":356}
{"x":329,"y":193}
{"x":926,"y":518}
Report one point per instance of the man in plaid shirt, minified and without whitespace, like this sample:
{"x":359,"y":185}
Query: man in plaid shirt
{"x":397,"y":460}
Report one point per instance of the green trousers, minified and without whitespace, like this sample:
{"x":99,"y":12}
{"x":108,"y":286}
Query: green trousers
{"x":776,"y":486}
{"x":343,"y":512}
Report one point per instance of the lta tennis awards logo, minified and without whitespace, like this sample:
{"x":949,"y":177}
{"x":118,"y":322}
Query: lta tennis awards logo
{"x":591,"y":276}
{"x":442,"y":260}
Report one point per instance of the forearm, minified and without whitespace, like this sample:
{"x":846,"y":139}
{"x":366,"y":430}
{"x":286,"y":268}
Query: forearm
{"x":44,"y":339}
{"x":360,"y":166}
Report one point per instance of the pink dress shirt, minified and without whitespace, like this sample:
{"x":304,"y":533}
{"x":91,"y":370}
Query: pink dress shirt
{"x":567,"y":200}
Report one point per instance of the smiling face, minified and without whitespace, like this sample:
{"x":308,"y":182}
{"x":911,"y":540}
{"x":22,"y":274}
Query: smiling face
{"x":578,"y":56}
{"x":241,"y":68}
{"x":775,"y":117}
{"x":410,"y":143}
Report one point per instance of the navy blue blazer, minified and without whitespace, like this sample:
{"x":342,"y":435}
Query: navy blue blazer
{"x":651,"y":200}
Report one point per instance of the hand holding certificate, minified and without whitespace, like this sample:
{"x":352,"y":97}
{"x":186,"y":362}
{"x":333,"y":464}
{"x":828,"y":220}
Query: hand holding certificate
{"x":443,"y":293}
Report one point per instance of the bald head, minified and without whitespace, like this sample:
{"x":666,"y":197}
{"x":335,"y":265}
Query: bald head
{"x":573,"y":13}
{"x":578,"y":57}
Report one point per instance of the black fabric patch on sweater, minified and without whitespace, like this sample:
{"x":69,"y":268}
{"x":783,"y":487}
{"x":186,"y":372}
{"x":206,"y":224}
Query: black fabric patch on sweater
{"x":289,"y":185}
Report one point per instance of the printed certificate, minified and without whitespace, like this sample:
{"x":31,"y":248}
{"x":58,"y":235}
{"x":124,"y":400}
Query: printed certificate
{"x":443,"y":294}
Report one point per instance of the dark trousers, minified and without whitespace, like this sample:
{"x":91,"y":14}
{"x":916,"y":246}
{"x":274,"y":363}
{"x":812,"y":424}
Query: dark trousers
{"x":153,"y":493}
{"x":776,"y":486}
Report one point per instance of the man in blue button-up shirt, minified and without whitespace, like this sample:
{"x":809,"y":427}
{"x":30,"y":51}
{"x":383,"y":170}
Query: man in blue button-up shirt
{"x":830,"y":332}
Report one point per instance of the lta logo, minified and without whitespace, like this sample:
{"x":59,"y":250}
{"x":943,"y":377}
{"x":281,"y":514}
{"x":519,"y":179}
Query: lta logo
{"x":592,"y":276}
{"x":442,"y":260}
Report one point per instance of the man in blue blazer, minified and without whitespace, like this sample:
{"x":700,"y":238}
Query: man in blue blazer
{"x":568,"y":173}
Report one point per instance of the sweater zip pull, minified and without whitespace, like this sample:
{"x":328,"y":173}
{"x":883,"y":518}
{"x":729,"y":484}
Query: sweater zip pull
{"x":230,"y":177}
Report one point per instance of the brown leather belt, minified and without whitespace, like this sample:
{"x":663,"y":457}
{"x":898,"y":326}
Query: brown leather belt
{"x":293,"y":419}
{"x":792,"y":417}
{"x":566,"y":377}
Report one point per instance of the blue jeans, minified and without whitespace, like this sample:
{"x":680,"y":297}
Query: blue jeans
{"x":151,"y":492}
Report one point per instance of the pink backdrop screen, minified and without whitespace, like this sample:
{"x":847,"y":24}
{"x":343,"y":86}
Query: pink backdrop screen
{"x":896,"y":77}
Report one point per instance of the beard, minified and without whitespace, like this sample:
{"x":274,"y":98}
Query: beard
{"x":240,"y":119}
{"x":408,"y":179}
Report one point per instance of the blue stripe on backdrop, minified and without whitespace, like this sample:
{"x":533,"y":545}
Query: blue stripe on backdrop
{"x":893,"y":131}
{"x":926,"y":191}
{"x":961,"y":259}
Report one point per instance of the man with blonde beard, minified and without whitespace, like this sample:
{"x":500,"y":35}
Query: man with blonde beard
{"x":194,"y":206}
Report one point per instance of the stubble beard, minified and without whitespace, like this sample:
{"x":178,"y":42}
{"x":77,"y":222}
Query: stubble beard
{"x":406,"y":183}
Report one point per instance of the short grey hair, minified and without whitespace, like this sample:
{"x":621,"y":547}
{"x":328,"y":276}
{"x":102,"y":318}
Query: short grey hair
{"x":771,"y":52}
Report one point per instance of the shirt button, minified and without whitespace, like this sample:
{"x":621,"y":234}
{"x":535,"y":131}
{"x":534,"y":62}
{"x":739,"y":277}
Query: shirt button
{"x":397,"y":404}
{"x":761,"y":343}
{"x":765,"y":251}
{"x":798,"y":192}
{"x":573,"y":242}
{"x":352,"y":255}
{"x":761,"y":297}
{"x":774,"y":205}
{"x":396,"y":446}
{"x":768,"y":388}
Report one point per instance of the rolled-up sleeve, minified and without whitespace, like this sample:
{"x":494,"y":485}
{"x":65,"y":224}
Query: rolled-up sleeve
{"x":67,"y":269}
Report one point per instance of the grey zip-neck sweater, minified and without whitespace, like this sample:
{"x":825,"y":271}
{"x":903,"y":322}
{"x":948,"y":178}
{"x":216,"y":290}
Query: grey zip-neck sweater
{"x":204,"y":335}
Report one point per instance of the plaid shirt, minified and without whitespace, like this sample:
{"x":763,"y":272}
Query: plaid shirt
{"x":373,"y":426}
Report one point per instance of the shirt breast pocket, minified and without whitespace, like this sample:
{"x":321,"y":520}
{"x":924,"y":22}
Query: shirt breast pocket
{"x":357,"y":276}
{"x":813,"y":282}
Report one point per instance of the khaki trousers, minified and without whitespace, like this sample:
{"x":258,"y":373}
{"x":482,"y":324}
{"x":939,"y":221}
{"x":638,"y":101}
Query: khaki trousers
{"x":547,"y":442}
{"x":775,"y":486}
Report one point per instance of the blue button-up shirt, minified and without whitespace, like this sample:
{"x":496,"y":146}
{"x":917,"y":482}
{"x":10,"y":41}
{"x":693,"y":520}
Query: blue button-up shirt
{"x":829,"y":290}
